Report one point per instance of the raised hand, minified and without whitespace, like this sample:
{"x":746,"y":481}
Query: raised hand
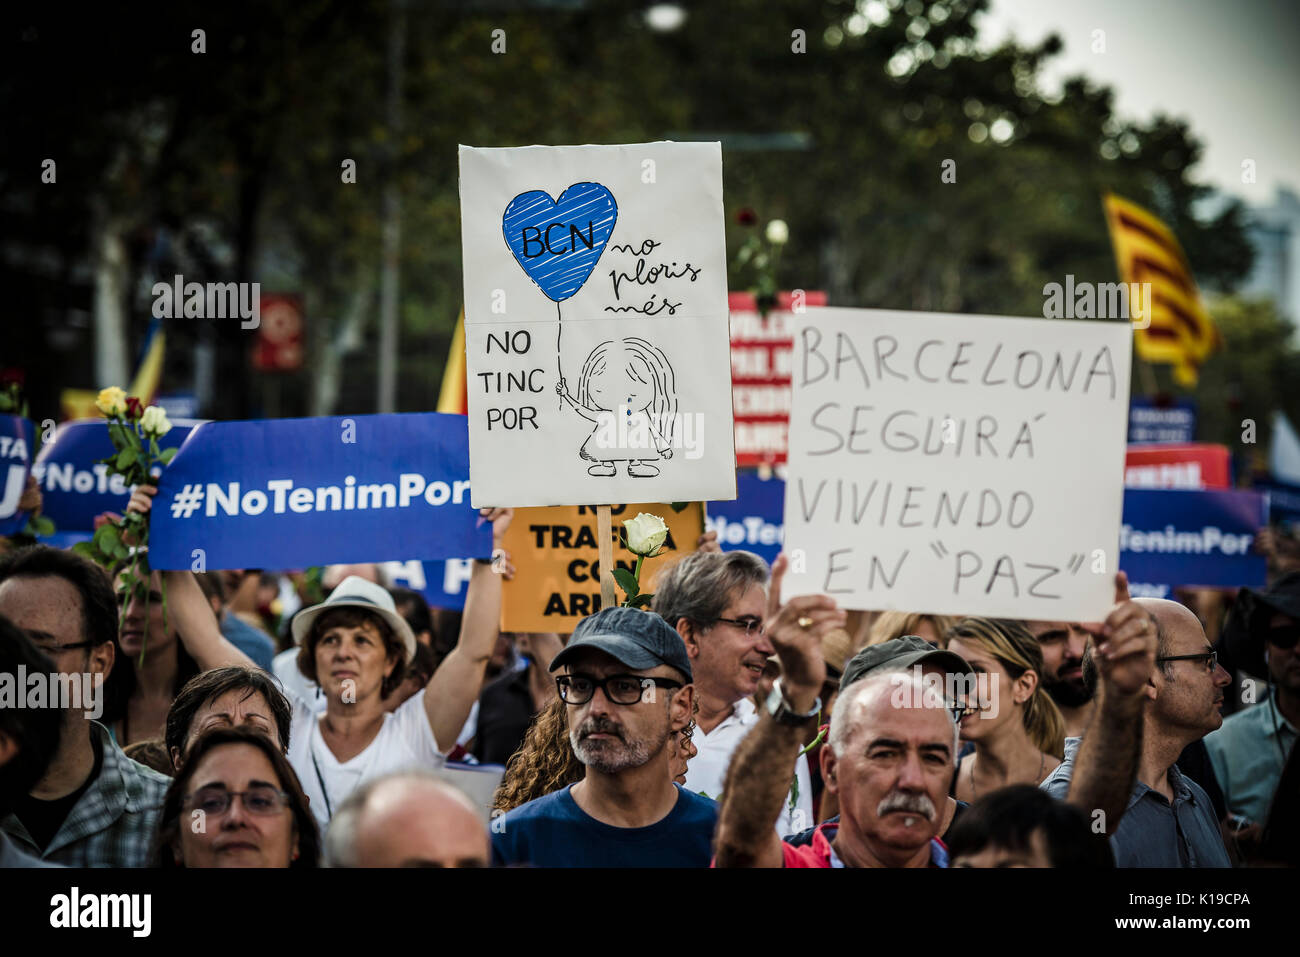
{"x":708,"y":542}
{"x":1124,"y":645}
{"x":796,"y":630}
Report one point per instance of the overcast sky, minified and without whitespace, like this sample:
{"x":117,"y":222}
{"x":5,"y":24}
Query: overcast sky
{"x":1230,"y":67}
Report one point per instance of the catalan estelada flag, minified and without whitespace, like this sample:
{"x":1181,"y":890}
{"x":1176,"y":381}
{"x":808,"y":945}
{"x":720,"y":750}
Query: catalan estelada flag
{"x":1180,"y":332}
{"x":454,"y":394}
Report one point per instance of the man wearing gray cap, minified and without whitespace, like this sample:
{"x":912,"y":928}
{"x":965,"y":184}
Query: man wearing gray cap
{"x":626,"y":679}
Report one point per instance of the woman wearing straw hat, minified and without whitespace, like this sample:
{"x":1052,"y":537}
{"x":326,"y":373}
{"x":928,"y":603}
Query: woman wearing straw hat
{"x":357,"y":648}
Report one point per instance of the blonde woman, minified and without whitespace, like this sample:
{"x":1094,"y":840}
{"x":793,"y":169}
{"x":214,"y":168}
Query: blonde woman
{"x":1018,"y":733}
{"x":895,"y":624}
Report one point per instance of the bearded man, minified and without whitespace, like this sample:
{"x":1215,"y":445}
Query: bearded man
{"x":626,"y":679}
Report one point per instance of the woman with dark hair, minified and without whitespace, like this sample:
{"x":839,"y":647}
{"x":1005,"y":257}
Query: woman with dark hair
{"x":1024,"y":826}
{"x":356,"y":648}
{"x":236,"y":802}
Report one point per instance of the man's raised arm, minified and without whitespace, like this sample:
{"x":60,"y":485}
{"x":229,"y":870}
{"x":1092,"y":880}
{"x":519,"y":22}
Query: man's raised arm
{"x":1123,"y":651}
{"x":758,"y":778}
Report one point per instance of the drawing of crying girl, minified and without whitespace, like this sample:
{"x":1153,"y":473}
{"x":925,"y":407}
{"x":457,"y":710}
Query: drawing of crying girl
{"x":627,"y":389}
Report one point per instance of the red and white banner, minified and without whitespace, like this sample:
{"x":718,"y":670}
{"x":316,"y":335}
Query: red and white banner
{"x":761,"y":351}
{"x":1196,"y":465}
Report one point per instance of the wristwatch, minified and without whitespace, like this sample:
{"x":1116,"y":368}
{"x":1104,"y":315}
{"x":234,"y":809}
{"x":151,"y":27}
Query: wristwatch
{"x":781,"y":711}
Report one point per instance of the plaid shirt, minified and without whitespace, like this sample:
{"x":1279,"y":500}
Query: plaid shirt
{"x":113,"y":823}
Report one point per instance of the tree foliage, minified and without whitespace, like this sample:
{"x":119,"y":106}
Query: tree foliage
{"x":226,"y":165}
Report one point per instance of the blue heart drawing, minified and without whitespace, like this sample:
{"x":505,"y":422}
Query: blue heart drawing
{"x":557,"y":242}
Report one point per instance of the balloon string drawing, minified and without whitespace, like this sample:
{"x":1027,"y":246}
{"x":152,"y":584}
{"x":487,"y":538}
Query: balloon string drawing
{"x":627,"y":387}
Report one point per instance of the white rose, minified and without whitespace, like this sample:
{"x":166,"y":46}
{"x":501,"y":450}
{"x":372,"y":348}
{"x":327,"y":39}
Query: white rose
{"x":645,"y":534}
{"x":777,"y":232}
{"x":154,"y":422}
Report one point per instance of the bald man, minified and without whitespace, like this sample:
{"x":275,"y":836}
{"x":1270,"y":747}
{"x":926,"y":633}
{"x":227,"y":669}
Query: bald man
{"x":408,"y":819}
{"x":1168,"y":820}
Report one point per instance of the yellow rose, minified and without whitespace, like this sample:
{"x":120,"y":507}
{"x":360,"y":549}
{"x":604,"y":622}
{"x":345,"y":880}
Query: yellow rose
{"x":111,"y":401}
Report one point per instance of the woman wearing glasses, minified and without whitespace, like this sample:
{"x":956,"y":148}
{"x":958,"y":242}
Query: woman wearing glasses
{"x":236,"y":803}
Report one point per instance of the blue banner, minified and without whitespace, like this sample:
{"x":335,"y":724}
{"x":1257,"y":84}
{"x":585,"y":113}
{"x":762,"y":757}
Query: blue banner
{"x":290,"y":493}
{"x":1175,"y":537}
{"x":754,"y":522}
{"x":1150,"y":423}
{"x":16,"y":437}
{"x":442,"y":582}
{"x":1283,"y":501}
{"x":74,"y":486}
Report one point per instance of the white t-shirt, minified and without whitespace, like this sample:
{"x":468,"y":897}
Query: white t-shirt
{"x":294,"y":683}
{"x":404,"y":741}
{"x":707,"y":770}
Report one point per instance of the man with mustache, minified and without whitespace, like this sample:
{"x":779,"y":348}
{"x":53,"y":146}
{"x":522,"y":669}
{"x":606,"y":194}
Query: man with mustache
{"x":892,"y":746}
{"x":889,"y":757}
{"x":1168,"y":820}
{"x":626,"y":680}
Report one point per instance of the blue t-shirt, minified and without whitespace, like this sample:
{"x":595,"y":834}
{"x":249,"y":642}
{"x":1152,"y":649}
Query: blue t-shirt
{"x":553,"y":831}
{"x":252,"y":642}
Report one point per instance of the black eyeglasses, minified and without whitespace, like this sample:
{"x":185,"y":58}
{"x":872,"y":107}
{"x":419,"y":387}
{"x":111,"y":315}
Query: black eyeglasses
{"x":620,"y":689}
{"x":259,"y":799}
{"x":747,"y":625}
{"x":1283,"y":637}
{"x":1211,"y":657}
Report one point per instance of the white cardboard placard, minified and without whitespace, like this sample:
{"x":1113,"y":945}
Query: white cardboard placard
{"x":960,"y":465}
{"x":596,"y":335}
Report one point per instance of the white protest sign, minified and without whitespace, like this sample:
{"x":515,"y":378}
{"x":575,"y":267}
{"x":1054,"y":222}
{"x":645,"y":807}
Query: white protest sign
{"x":596,"y":338}
{"x":957,"y":465}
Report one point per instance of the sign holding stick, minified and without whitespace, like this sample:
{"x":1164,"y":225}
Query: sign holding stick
{"x":967,"y":465}
{"x":596,"y":335}
{"x":603,"y":536}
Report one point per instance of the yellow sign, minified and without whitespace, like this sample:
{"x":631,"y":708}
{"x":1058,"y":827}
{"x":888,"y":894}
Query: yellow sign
{"x":557,"y":572}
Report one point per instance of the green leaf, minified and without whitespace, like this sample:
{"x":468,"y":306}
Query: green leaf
{"x":87,"y":550}
{"x":627,"y":581}
{"x":42,"y":525}
{"x":167,"y":456}
{"x":104,"y":535}
{"x":679,"y":506}
{"x":126,"y":458}
{"x":641,"y":601}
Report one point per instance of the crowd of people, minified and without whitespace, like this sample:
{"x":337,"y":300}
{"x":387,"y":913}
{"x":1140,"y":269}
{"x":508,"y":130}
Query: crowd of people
{"x":256,"y":719}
